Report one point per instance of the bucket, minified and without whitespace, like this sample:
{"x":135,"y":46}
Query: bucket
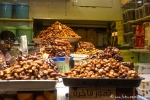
{"x":24,"y":30}
{"x":9,"y":28}
{"x":5,"y":10}
{"x":62,"y":64}
{"x":21,"y":10}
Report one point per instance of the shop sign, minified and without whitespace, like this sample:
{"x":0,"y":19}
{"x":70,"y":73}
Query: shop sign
{"x":92,"y":93}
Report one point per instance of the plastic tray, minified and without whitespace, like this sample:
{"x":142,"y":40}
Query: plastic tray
{"x":27,"y":85}
{"x":97,"y":82}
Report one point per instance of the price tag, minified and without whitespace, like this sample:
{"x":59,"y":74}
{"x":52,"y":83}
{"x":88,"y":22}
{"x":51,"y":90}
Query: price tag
{"x":92,"y":93}
{"x":113,"y":34}
{"x":42,"y":49}
{"x":45,"y":56}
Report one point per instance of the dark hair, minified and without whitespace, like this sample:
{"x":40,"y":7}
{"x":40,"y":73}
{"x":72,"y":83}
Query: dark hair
{"x":7,"y":35}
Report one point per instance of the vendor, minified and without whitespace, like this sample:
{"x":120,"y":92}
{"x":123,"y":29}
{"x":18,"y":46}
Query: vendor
{"x":7,"y":38}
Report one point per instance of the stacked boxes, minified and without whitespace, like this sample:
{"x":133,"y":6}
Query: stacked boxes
{"x":144,"y":71}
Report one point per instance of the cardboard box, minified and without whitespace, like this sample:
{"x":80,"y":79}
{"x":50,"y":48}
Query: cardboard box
{"x":144,"y":92}
{"x":143,"y":68}
{"x":119,"y":25}
{"x":145,"y":85}
{"x":124,"y":2}
{"x":146,"y":76}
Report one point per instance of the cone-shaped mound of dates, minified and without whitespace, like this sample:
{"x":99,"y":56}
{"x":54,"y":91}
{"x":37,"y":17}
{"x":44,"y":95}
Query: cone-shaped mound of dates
{"x":31,"y":68}
{"x":109,"y":52}
{"x":101,"y":68}
{"x":55,"y":31}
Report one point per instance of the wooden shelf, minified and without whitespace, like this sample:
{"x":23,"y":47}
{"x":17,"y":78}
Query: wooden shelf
{"x":139,"y":21}
{"x":140,"y":50}
{"x":12,"y":19}
{"x":129,"y":4}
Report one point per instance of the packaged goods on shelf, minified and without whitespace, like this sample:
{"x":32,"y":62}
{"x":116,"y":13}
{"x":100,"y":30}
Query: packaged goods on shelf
{"x":137,"y":16}
{"x":142,"y":42}
{"x":137,"y":43}
{"x":130,"y":14}
{"x":146,"y":9}
{"x":128,"y":25}
{"x":144,"y":87}
{"x":145,"y":1}
{"x":144,"y":92}
{"x":133,"y":29}
{"x":119,"y":25}
{"x":141,"y":15}
{"x":138,"y":3}
{"x":125,"y":27}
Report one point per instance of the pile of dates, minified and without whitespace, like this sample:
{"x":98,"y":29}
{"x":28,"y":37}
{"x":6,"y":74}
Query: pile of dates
{"x":62,"y":30}
{"x":88,"y":52}
{"x":46,"y":37}
{"x":109,"y":52}
{"x":59,"y":48}
{"x":55,"y":31}
{"x":101,"y":68}
{"x":85,"y":45}
{"x":31,"y":67}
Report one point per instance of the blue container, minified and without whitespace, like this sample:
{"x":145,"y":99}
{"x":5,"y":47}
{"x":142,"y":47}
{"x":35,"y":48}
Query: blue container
{"x":22,"y":10}
{"x":5,"y":10}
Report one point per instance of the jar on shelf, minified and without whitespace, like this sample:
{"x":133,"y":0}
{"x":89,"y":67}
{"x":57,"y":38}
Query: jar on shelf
{"x":145,"y":1}
{"x":125,"y":38}
{"x":125,"y":28}
{"x":131,"y":35}
{"x":138,"y":30}
{"x":141,"y":12}
{"x":133,"y":29}
{"x":137,"y":13}
{"x":130,"y":14}
{"x":129,"y":27}
{"x":146,"y":9}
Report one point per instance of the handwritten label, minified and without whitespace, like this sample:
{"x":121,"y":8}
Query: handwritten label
{"x":144,"y":68}
{"x":91,"y":93}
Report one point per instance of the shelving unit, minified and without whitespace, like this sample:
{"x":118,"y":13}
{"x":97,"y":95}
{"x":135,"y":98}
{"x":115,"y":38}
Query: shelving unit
{"x":129,"y":4}
{"x":140,"y":50}
{"x":139,"y":21}
{"x":19,"y":20}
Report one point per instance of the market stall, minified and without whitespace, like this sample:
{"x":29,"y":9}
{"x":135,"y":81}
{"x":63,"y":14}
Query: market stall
{"x":101,"y":74}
